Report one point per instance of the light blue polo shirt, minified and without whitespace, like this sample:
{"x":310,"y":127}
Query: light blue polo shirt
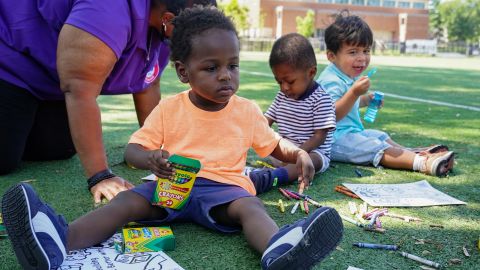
{"x":336,"y":84}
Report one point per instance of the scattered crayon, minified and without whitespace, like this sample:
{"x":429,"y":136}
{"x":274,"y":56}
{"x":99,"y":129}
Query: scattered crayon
{"x":346,"y":191}
{"x":303,"y":196}
{"x":292,"y":194}
{"x":264,"y":164}
{"x":284,"y":193}
{"x":294,"y":208}
{"x":436,"y":226}
{"x":281,"y":206}
{"x":302,"y":206}
{"x":351,"y":221}
{"x":353,"y":208}
{"x":301,"y":187}
{"x":305,"y":205}
{"x":375,"y":246}
{"x":420,"y":260}
{"x":358,"y":173}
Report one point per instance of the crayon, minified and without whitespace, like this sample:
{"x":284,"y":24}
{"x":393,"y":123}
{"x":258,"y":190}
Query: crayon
{"x":285,"y":194}
{"x":302,"y":206}
{"x":292,"y":195}
{"x":353,"y":208}
{"x":294,"y":208}
{"x":420,"y":260}
{"x":305,"y":197}
{"x":264,"y":164}
{"x":305,"y":205}
{"x":375,"y":246}
{"x":346,"y":192}
{"x":301,"y":187}
{"x":281,"y":206}
{"x":406,"y":218}
{"x":358,"y":173}
{"x":351,"y":221}
{"x":373,"y":229}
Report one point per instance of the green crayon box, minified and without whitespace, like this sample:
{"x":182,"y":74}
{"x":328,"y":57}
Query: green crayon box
{"x":145,"y":239}
{"x":174,"y":193}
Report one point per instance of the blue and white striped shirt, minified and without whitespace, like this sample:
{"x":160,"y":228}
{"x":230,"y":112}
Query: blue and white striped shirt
{"x":297,"y":120}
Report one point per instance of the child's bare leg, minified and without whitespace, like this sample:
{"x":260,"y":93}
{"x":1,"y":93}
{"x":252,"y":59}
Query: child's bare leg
{"x":102,"y":223}
{"x":397,"y":158}
{"x":250,"y":213}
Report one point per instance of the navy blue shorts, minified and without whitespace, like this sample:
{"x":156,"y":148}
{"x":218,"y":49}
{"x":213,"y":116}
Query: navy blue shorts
{"x":205,"y":195}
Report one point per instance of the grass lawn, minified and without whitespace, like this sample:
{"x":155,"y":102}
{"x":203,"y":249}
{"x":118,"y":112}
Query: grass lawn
{"x":61,"y":183}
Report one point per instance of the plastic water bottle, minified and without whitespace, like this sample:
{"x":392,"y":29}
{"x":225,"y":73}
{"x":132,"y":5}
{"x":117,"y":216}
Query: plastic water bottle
{"x":373,"y":107}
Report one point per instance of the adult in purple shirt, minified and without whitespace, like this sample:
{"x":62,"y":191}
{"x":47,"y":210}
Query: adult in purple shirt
{"x":56,"y":57}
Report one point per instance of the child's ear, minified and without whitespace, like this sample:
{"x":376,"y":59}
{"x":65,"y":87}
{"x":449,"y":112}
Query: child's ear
{"x":330,"y":56}
{"x":312,"y":72}
{"x":181,"y":72}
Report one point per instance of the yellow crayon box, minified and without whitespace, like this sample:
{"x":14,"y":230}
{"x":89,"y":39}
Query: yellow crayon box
{"x":145,"y":239}
{"x":174,"y":193}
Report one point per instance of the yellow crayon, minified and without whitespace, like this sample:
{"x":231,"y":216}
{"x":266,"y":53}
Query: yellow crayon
{"x":281,"y":206}
{"x":264,"y":164}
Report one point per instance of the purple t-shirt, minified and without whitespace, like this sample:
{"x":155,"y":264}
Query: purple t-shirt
{"x":29,"y":32}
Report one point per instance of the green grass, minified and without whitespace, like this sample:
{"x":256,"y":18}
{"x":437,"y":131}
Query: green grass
{"x":61,"y":183}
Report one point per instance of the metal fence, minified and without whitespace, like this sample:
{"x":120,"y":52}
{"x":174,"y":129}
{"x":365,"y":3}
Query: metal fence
{"x":380,"y":47}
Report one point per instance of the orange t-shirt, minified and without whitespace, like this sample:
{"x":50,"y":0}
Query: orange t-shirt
{"x":220,"y":140}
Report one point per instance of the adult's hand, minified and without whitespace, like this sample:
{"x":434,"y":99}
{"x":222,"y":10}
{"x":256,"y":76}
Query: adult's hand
{"x":109,"y":188}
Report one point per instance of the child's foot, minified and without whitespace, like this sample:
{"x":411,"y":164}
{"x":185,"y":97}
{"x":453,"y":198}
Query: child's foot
{"x":437,"y":148}
{"x":439,"y":164}
{"x":304,"y":243}
{"x":37,"y":234}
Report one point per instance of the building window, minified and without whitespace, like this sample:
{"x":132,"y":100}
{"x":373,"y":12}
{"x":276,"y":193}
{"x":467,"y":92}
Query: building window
{"x":341,"y":1}
{"x":418,"y":5}
{"x":358,"y":2}
{"x":375,"y":3}
{"x":325,"y":1}
{"x":389,"y":3}
{"x":403,"y":4}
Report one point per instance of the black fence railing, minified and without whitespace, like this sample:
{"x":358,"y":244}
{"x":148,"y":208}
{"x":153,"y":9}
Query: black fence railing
{"x":380,"y":47}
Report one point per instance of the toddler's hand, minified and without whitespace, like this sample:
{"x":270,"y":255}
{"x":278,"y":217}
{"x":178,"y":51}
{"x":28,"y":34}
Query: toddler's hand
{"x":305,"y":169}
{"x":370,"y":98}
{"x":361,"y":86}
{"x":159,"y":164}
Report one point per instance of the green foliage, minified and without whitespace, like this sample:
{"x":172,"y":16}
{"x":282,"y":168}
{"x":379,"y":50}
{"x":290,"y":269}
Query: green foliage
{"x":239,"y":14}
{"x":461,"y":18}
{"x":436,"y":24}
{"x":306,"y":25}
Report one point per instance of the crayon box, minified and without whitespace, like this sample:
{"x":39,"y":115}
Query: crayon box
{"x":145,"y":239}
{"x":174,"y":193}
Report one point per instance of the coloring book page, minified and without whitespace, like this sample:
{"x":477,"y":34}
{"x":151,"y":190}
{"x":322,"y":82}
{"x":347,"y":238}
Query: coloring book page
{"x":419,"y":193}
{"x":105,"y":257}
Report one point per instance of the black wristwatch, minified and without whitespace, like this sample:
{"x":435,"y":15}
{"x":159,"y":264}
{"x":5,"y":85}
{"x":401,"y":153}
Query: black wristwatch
{"x":99,"y":177}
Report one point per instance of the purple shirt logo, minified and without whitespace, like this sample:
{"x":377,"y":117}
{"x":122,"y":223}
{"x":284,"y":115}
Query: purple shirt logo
{"x":152,"y":74}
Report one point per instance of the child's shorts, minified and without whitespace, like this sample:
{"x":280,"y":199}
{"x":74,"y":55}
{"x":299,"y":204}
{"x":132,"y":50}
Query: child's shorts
{"x":325,"y":161}
{"x":205,"y":195}
{"x":361,"y":148}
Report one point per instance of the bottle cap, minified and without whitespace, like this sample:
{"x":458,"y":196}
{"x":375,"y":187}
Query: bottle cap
{"x":378,"y":95}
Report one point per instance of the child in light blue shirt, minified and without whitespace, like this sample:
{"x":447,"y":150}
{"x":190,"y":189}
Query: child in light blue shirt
{"x":349,"y":40}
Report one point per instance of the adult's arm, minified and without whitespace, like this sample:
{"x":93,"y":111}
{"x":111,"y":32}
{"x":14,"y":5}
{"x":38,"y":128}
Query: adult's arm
{"x":146,"y":100}
{"x":84,"y":62}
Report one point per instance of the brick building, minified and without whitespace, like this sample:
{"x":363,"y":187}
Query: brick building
{"x":390,"y":20}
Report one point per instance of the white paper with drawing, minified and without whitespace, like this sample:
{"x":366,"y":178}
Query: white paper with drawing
{"x":105,"y":257}
{"x":419,"y":193}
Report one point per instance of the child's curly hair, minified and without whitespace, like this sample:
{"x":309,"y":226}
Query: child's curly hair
{"x":294,"y":50}
{"x":193,"y":22}
{"x":349,"y":30}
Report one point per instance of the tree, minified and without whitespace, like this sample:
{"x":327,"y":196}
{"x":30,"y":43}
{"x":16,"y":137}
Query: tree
{"x":436,"y":24}
{"x":461,"y":18}
{"x":239,"y":14}
{"x":306,"y":25}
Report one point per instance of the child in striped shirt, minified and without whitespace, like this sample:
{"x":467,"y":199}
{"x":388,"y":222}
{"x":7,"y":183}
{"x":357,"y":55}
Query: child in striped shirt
{"x":302,"y":110}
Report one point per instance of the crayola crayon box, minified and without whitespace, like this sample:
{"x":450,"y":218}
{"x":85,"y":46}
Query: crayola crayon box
{"x":145,"y":239}
{"x":174,"y":193}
